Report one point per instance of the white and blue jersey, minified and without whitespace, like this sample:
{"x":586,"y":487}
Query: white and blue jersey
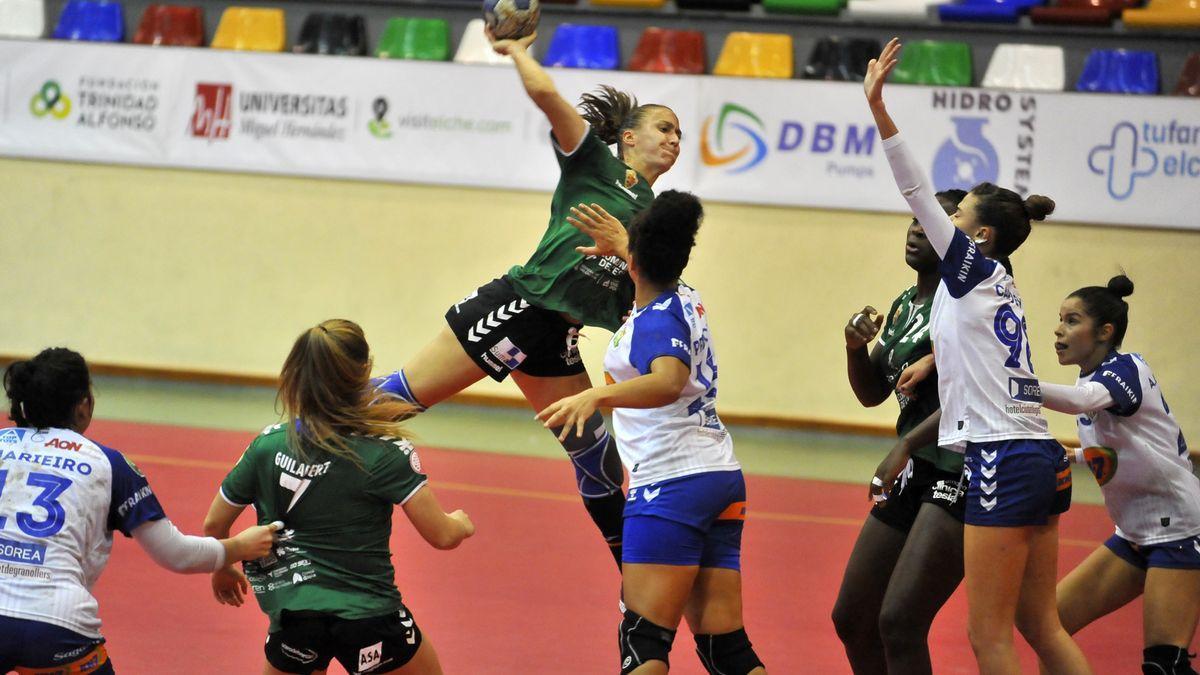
{"x":986,"y":384}
{"x":1153,"y":496}
{"x":61,"y":498}
{"x":684,"y":437}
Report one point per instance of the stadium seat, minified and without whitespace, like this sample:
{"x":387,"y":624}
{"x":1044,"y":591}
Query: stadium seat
{"x":171,"y":25}
{"x":257,"y":29}
{"x":91,"y":21}
{"x":803,"y":6}
{"x":1033,"y":67}
{"x":715,"y":5}
{"x":22,"y":18}
{"x":756,"y":55}
{"x":840,"y":60}
{"x":1081,"y":12}
{"x":331,"y":33}
{"x":1189,"y":77}
{"x":416,"y":39}
{"x":1164,"y":14}
{"x":993,"y":11}
{"x":577,"y":46}
{"x":934,"y":62}
{"x":637,"y":4}
{"x":660,"y":50}
{"x":474,"y":47}
{"x":891,"y":10}
{"x":1120,"y":71}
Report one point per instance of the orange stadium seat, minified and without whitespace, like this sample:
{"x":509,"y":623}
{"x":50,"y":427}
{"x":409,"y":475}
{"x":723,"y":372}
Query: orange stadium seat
{"x":258,"y":29}
{"x":1164,"y":14}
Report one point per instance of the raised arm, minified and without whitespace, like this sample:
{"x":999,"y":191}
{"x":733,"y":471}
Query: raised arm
{"x":914,"y":185}
{"x":1076,"y":400}
{"x":566,"y":123}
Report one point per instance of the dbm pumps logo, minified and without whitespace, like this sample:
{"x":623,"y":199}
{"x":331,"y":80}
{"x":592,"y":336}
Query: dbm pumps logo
{"x":1156,"y":148}
{"x":753,"y":136}
{"x":818,"y":138}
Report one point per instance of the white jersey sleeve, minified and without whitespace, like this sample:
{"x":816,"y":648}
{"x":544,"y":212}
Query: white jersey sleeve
{"x":683,"y":437}
{"x":1153,"y":496}
{"x":63,"y":495}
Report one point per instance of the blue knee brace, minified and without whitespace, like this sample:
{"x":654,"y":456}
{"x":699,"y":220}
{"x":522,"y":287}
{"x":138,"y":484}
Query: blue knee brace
{"x":598,"y":470}
{"x":396,"y":385}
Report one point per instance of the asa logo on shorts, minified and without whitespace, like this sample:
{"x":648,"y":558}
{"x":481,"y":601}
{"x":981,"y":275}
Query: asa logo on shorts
{"x":369,"y":657}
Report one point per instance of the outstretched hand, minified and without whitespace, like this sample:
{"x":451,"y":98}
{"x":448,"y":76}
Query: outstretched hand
{"x":507,"y":47}
{"x":879,"y":69}
{"x":569,"y":413}
{"x":605,"y":230}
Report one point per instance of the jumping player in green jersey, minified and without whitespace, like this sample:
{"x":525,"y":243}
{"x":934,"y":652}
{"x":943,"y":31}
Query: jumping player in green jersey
{"x":908,"y":557}
{"x":526,"y":323}
{"x":332,"y":473}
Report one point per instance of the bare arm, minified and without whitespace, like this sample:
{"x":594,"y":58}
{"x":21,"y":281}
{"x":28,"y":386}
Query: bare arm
{"x":566,"y":123}
{"x":919,"y":436}
{"x":862,"y":367}
{"x":661,"y":386}
{"x":442,"y":530}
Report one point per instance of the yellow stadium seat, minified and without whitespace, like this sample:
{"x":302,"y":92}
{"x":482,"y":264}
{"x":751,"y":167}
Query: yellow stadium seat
{"x":639,"y":4}
{"x":257,"y":29}
{"x":1164,"y":14}
{"x":756,"y":55}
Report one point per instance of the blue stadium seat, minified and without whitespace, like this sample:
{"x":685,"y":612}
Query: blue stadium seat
{"x":1120,"y":71}
{"x":91,"y":20}
{"x":994,"y":11}
{"x":576,"y":46}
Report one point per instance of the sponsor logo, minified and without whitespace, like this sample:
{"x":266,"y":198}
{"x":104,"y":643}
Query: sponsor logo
{"x":12,"y":436}
{"x":414,"y":461}
{"x":842,"y":141}
{"x":1025,"y":389}
{"x":649,"y":494}
{"x":64,"y":445}
{"x":676,"y":342}
{"x":508,"y":353}
{"x":212,"y":111}
{"x":133,"y":500}
{"x":1142,"y":150}
{"x":968,"y":157}
{"x":116,"y":103}
{"x":570,"y":355}
{"x":1113,"y":377}
{"x":491,"y":364}
{"x":631,"y":178}
{"x":369,"y":657}
{"x":74,"y":653}
{"x":378,"y":126}
{"x":50,"y":100}
{"x":631,"y":193}
{"x":301,"y":655}
{"x":22,"y":552}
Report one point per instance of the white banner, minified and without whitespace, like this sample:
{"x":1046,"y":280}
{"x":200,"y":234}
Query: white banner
{"x":1105,"y":159}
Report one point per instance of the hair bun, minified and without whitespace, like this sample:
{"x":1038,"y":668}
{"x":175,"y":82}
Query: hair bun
{"x":1038,"y":207}
{"x":1121,"y":286}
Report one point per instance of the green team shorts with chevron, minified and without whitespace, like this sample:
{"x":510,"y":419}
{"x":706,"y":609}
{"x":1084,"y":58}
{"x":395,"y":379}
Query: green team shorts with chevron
{"x":503,"y":332}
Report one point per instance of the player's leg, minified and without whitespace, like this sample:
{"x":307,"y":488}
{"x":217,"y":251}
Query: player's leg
{"x":598,"y":471}
{"x":439,"y":370}
{"x":655,"y":596}
{"x":714,"y":614}
{"x":1037,"y":610}
{"x":1107,"y":580}
{"x":1171,"y":607}
{"x":994,"y":563}
{"x":929,"y":569}
{"x":424,"y":662}
{"x":860,"y":598}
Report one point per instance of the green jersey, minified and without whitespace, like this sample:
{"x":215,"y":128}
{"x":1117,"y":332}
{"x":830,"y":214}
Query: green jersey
{"x":333,"y":554}
{"x":595,"y":290}
{"x":905,"y":339}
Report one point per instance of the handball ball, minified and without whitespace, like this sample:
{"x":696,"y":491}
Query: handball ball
{"x":511,"y":19}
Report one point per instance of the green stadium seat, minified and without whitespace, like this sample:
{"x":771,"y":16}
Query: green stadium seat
{"x":415,"y":39}
{"x":803,"y":6}
{"x":934,"y":62}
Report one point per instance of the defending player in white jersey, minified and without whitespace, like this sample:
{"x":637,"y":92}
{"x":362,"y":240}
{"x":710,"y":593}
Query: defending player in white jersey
{"x":1018,"y":481}
{"x":687,"y":497}
{"x":63,"y":495}
{"x":1138,"y":453}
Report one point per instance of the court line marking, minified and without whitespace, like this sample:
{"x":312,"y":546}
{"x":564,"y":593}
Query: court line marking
{"x":559,"y":496}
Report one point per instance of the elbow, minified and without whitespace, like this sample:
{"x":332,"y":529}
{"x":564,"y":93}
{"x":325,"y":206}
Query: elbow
{"x":213,"y":528}
{"x":446,"y":541}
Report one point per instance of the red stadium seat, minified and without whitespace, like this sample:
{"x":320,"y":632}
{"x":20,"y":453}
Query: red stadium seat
{"x":172,"y":25}
{"x":669,"y":51}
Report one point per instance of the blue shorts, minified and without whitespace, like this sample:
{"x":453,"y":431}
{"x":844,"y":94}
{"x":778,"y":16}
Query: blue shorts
{"x":691,"y":520}
{"x":1180,"y":554}
{"x":34,"y":646}
{"x":1016,"y":483}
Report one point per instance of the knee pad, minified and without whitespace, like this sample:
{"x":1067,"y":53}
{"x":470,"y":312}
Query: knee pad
{"x":598,"y":470}
{"x":727,"y":653}
{"x":1166,"y":660}
{"x":396,"y":384}
{"x":643,"y":641}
